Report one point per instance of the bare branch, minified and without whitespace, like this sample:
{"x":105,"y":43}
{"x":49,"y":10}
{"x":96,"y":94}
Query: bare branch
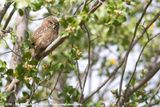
{"x":38,"y":18}
{"x":11,"y":85}
{"x":9,"y":18}
{"x":97,"y":4}
{"x":55,"y":83}
{"x":5,"y":53}
{"x":89,"y":60}
{"x":105,"y":82}
{"x":4,"y":10}
{"x":151,"y":72}
{"x":142,"y":34}
{"x":131,"y":46}
{"x":134,"y":71}
{"x":157,"y":88}
{"x":51,"y":47}
{"x":79,"y":76}
{"x":3,"y":32}
{"x":11,"y":49}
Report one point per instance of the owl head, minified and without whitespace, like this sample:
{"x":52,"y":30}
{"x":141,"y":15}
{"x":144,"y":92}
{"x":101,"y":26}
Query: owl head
{"x":52,"y":22}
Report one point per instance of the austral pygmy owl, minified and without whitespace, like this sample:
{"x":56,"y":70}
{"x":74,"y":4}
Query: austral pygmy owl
{"x":45,"y":35}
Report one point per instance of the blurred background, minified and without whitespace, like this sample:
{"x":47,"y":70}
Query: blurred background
{"x":110,"y":46}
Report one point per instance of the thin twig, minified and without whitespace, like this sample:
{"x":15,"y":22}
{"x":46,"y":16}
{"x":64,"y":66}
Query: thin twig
{"x":130,"y":90}
{"x":130,"y":47}
{"x":4,"y":10}
{"x":89,"y":60}
{"x":35,"y":89}
{"x":146,"y":28}
{"x":150,"y":73}
{"x":135,"y":68}
{"x":105,"y":82}
{"x":55,"y":83}
{"x":10,"y":48}
{"x":78,"y":7}
{"x":51,"y":90}
{"x":9,"y":18}
{"x":38,"y":18}
{"x":5,"y":53}
{"x":84,"y":4}
{"x":119,"y":66}
{"x":96,"y":6}
{"x":155,"y":93}
{"x":79,"y":76}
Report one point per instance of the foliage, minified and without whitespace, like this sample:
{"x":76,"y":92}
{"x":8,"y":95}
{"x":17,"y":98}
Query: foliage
{"x":108,"y":30}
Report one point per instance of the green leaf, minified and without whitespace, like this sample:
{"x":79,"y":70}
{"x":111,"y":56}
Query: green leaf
{"x":3,"y":96}
{"x":70,"y":94}
{"x":20,"y":71}
{"x":9,"y":72}
{"x":3,"y":64}
{"x":36,"y":6}
{"x":117,"y":23}
{"x":33,"y":62}
{"x":25,"y":93}
{"x":20,"y":11}
{"x":2,"y":69}
{"x":27,"y":55}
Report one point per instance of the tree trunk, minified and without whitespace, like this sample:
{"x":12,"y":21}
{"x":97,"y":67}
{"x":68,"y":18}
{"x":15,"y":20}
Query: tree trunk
{"x":21,"y":28}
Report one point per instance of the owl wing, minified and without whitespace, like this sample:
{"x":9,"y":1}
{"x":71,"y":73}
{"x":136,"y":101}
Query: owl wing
{"x":37,"y":34}
{"x":45,"y":39}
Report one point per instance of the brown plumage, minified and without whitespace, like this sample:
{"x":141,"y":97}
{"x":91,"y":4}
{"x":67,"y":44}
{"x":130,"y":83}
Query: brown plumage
{"x":45,"y":35}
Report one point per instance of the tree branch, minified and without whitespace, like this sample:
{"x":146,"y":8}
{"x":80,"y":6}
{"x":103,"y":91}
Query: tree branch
{"x":134,"y":71}
{"x":51,"y":47}
{"x":142,"y":34}
{"x":60,"y":39}
{"x":22,"y":23}
{"x":89,"y":60}
{"x":96,"y":5}
{"x":4,"y":10}
{"x":131,"y":46}
{"x":157,"y":88}
{"x":146,"y":79}
{"x":105,"y":82}
{"x":151,"y":72}
{"x":9,"y":18}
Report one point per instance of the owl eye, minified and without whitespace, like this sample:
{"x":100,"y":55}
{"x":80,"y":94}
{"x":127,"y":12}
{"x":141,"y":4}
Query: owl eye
{"x":50,"y":22}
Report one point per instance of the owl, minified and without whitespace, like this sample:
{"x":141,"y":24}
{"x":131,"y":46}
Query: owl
{"x":44,"y":35}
